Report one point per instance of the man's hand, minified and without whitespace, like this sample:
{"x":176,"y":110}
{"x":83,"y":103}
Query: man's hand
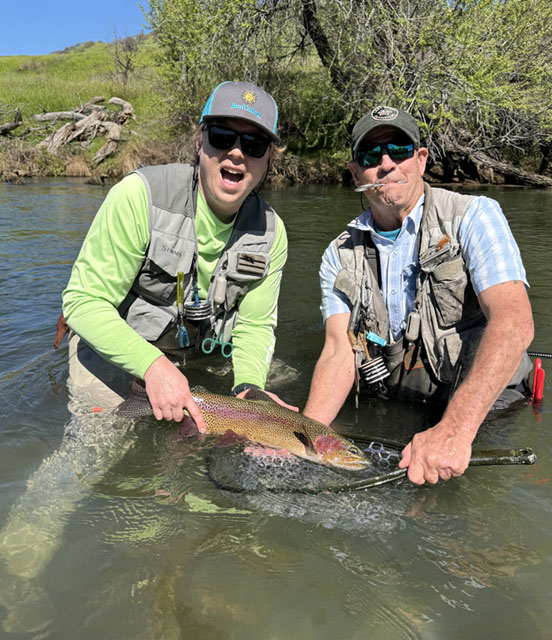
{"x":444,"y":451}
{"x":436,"y":454}
{"x":169,"y":393}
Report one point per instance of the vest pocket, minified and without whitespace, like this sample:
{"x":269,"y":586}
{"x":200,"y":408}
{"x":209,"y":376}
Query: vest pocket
{"x":448,"y":282}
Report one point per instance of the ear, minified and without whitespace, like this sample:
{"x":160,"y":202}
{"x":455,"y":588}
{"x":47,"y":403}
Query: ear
{"x":422,"y":156}
{"x":355,"y":172}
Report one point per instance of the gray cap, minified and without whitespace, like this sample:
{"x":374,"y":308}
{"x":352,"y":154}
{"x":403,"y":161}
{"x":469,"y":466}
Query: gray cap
{"x":245,"y":101}
{"x":385,"y":116}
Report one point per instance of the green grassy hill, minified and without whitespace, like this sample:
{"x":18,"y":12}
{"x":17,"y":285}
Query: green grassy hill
{"x":62,"y":81}
{"x":58,"y":81}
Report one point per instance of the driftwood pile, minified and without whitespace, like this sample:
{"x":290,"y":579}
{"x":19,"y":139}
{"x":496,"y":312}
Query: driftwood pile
{"x":88,"y":121}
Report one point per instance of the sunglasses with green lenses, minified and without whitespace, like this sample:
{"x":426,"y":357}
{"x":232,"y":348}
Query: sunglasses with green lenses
{"x":371,"y":157}
{"x":222,"y":138}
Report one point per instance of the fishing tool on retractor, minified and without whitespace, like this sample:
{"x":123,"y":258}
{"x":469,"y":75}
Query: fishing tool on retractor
{"x":181,"y":332}
{"x":208,"y":345}
{"x":198,"y":310}
{"x":372,"y":370}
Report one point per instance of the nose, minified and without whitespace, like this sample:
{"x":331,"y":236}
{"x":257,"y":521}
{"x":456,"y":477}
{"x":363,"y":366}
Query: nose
{"x":386,"y":162}
{"x":236,"y":149}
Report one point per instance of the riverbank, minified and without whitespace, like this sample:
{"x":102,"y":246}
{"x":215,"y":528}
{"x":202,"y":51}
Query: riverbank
{"x":19,"y":162}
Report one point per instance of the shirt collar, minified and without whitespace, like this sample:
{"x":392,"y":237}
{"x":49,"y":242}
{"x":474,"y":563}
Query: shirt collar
{"x":365,"y":221}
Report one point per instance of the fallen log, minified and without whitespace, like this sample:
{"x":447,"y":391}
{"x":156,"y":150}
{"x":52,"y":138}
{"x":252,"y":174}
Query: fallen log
{"x":58,"y":115}
{"x":85,"y":128}
{"x":10,"y":126}
{"x":480,"y":159}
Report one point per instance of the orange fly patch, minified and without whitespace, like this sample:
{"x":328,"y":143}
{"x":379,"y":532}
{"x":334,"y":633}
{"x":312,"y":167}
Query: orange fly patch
{"x":442,"y":242}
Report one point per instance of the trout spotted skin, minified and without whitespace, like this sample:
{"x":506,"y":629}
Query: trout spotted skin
{"x":259,"y":419}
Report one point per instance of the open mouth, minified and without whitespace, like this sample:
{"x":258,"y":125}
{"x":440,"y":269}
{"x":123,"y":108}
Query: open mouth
{"x":231,"y":176}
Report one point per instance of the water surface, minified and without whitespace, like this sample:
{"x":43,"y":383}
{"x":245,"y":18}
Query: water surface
{"x":145,"y":545}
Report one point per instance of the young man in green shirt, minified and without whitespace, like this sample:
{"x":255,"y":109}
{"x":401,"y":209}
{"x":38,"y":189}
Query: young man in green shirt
{"x":201,"y":227}
{"x":159,"y":222}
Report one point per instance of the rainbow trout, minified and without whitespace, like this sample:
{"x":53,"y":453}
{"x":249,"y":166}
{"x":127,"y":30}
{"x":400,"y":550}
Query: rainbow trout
{"x":259,"y":419}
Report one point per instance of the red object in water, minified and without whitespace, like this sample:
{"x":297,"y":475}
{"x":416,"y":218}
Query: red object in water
{"x":538,"y":381}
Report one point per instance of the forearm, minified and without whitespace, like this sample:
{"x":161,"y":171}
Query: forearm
{"x":497,"y":359}
{"x":334,"y":372}
{"x":498,"y":355}
{"x":331,"y":383}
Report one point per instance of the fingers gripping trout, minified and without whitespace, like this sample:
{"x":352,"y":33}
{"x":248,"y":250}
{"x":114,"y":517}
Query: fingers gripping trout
{"x":259,"y":419}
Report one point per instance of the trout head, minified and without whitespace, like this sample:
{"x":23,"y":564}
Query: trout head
{"x":333,"y":451}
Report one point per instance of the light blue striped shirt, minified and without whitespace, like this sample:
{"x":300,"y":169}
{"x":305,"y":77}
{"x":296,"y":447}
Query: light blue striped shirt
{"x":488,"y":248}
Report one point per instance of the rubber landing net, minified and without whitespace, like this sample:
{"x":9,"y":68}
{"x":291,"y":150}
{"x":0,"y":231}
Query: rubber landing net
{"x":233,"y":469}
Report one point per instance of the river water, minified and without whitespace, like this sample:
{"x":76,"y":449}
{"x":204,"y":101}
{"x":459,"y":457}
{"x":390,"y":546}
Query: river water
{"x":126,"y":535}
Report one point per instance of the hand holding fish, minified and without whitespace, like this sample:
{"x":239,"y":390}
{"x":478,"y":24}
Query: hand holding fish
{"x":439,"y":453}
{"x":169,"y":393}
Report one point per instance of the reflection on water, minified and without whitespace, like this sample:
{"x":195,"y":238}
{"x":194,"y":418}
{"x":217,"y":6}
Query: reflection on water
{"x":130,"y":536}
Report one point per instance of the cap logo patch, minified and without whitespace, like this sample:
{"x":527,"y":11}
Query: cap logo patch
{"x":384,"y":113}
{"x":249,"y":97}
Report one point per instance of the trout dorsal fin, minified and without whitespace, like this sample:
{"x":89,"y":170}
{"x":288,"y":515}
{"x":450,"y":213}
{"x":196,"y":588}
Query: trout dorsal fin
{"x":258,"y":394}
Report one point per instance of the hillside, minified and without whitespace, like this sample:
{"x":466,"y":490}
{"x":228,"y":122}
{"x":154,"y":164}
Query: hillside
{"x":64,"y":81}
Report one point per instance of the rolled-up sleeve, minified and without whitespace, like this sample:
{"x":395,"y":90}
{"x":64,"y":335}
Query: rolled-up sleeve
{"x":490,"y":251}
{"x":333,"y":301}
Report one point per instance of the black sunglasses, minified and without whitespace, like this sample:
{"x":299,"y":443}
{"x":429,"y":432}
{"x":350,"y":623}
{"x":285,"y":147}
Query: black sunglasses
{"x":222,"y":138}
{"x":371,"y":157}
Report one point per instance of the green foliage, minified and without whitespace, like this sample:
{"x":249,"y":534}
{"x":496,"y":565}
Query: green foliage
{"x":473,"y":72}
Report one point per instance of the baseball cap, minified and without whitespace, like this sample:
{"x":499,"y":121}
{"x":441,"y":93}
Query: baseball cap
{"x":245,"y":101}
{"x":381,"y":116}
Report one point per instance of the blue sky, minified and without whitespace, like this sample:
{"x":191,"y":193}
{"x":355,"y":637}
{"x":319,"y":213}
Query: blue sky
{"x":36,"y":27}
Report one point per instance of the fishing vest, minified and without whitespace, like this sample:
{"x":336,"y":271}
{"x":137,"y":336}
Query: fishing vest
{"x":150,"y":306}
{"x":447,"y":323}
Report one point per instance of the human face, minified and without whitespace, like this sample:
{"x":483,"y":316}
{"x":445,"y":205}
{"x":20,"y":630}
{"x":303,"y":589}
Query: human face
{"x":402,"y":179}
{"x":227,"y":176}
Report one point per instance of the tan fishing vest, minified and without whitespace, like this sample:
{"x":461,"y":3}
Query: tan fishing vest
{"x":450,"y":319}
{"x":150,"y":306}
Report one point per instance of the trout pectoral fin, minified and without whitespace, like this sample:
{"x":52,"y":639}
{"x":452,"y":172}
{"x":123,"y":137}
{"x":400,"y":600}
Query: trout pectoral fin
{"x":305,"y":440}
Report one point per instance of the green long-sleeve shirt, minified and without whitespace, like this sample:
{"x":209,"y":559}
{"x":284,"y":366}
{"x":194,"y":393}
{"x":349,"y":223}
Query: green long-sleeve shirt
{"x":110,"y":258}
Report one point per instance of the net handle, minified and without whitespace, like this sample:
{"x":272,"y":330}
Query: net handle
{"x":525,"y":455}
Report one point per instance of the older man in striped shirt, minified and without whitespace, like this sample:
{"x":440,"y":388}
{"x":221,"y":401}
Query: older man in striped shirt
{"x":423,"y":297}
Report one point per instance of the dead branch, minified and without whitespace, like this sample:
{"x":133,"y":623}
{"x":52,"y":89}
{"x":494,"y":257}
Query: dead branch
{"x":127,"y":111}
{"x":58,"y":115}
{"x":480,"y":159}
{"x":10,"y":126}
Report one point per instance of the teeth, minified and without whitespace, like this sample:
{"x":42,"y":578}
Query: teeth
{"x":238,"y":173}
